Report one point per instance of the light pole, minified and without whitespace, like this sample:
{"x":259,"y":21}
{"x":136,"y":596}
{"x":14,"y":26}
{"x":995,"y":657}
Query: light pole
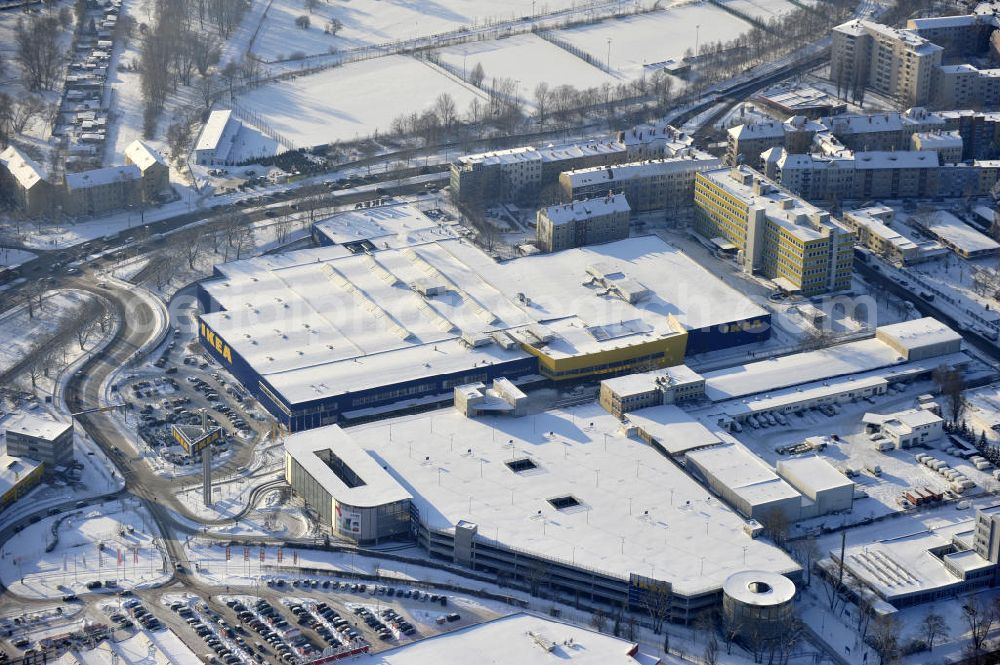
{"x":609,"y":54}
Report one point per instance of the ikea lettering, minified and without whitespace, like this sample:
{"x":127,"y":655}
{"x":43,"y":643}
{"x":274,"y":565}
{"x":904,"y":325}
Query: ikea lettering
{"x":216,"y":342}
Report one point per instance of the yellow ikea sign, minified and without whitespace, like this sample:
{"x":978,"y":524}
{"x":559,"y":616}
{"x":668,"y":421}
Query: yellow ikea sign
{"x":216,"y":342}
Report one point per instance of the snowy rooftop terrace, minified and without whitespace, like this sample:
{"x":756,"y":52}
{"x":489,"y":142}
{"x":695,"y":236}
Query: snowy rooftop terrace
{"x":316,"y":328}
{"x":386,"y":226}
{"x":636,"y":511}
{"x":518,"y":638}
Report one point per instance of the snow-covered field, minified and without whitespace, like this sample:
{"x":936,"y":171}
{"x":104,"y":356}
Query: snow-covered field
{"x":353,"y":101}
{"x":761,"y":9}
{"x":371,"y":22}
{"x":649,"y":38}
{"x":113,"y":541}
{"x":526,"y":58}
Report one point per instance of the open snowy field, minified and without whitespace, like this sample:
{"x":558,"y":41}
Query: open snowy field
{"x":526,"y":58}
{"x":371,"y":22}
{"x":112,"y":541}
{"x":21,"y":334}
{"x":353,"y":101}
{"x":761,"y":9}
{"x":14,"y":257}
{"x":640,"y":40}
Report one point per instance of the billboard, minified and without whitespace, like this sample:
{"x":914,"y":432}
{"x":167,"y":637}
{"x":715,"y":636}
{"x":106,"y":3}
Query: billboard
{"x":194,"y":440}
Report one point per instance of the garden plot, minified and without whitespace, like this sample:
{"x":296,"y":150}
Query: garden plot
{"x":353,"y":101}
{"x":641,"y":40}
{"x":528,"y":59}
{"x":763,"y":10}
{"x":371,"y":22}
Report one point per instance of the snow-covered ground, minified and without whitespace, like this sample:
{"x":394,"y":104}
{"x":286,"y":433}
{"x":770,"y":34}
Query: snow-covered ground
{"x":143,"y":647}
{"x":21,"y":334}
{"x":526,"y":58}
{"x":14,"y":257}
{"x":353,"y":101}
{"x":637,"y":41}
{"x":373,"y":22}
{"x":116,"y":540}
{"x":763,"y":10}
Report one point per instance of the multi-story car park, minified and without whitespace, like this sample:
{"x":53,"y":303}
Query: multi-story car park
{"x":324,"y":335}
{"x":543,"y":503}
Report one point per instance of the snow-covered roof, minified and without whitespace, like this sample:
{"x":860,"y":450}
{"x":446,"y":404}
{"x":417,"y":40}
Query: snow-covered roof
{"x":212,"y":132}
{"x":743,"y":473}
{"x":812,"y":474}
{"x":938,"y":22}
{"x":13,"y":470}
{"x":898,"y":159}
{"x":566,"y":213}
{"x":337,"y":325}
{"x":693,"y":160}
{"x":142,"y":155}
{"x":385,"y":226}
{"x":917,"y":333}
{"x":939,"y":140}
{"x":22,"y":168}
{"x":784,"y":371}
{"x":99,"y":177}
{"x":673,"y":428}
{"x":746,"y":587}
{"x":373,"y":486}
{"x":42,"y":427}
{"x":640,"y":382}
{"x":954,"y":232}
{"x":864,"y":217}
{"x":626,"y":520}
{"x":522,"y":638}
{"x":772,"y":129}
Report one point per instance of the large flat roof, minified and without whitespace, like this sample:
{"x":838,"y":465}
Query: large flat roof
{"x":42,"y":427}
{"x":745,"y":474}
{"x":638,"y":511}
{"x":954,"y":231}
{"x":519,"y":638}
{"x":673,"y":428}
{"x":327,"y":326}
{"x":799,"y":368}
{"x":386,"y":226}
{"x":815,"y":471}
{"x":13,"y":470}
{"x":377,"y":486}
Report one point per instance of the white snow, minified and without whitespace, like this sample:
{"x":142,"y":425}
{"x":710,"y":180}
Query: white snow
{"x":637,"y":41}
{"x":353,"y":101}
{"x":761,"y":9}
{"x":526,"y":58}
{"x":133,"y":558}
{"x":12,"y":258}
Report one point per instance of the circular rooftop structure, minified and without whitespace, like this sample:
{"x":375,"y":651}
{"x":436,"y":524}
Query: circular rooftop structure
{"x":757,"y":602}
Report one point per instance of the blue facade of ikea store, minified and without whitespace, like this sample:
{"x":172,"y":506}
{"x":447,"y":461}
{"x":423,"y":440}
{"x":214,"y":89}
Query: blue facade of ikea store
{"x":328,"y":410}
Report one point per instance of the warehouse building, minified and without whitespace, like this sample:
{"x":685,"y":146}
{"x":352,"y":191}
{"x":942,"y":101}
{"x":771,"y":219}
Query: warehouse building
{"x":824,"y":489}
{"x":745,"y":482}
{"x":567,"y":492}
{"x":797,"y":245}
{"x":581,"y":223}
{"x":40,"y":438}
{"x":324,"y":336}
{"x":379,"y":227}
{"x":956,"y":235}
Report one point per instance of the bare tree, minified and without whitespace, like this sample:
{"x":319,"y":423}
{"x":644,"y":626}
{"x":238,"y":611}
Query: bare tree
{"x":37,"y":50}
{"x":25,"y":109}
{"x":536,"y":573}
{"x":191,"y":245}
{"x":885,"y":638}
{"x":951,"y":385}
{"x":334,"y":26}
{"x":656,"y":601}
{"x":310,"y":5}
{"x":542,"y":97}
{"x":934,"y":626}
{"x":599,"y":620}
{"x":979,"y":617}
{"x":302,"y":22}
{"x":477,"y":75}
{"x":807,"y":552}
{"x":447,"y":113}
{"x":777,"y":525}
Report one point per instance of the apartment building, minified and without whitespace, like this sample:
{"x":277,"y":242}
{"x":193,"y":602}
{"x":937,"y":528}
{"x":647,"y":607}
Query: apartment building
{"x":24,"y":182}
{"x":99,"y":190}
{"x":872,"y":230}
{"x":581,"y":223}
{"x":660,"y":184}
{"x":520,"y":174}
{"x":780,"y":236}
{"x":745,"y":143}
{"x":948,"y":145}
{"x":964,"y":85}
{"x":152,"y":167}
{"x":897,"y":63}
